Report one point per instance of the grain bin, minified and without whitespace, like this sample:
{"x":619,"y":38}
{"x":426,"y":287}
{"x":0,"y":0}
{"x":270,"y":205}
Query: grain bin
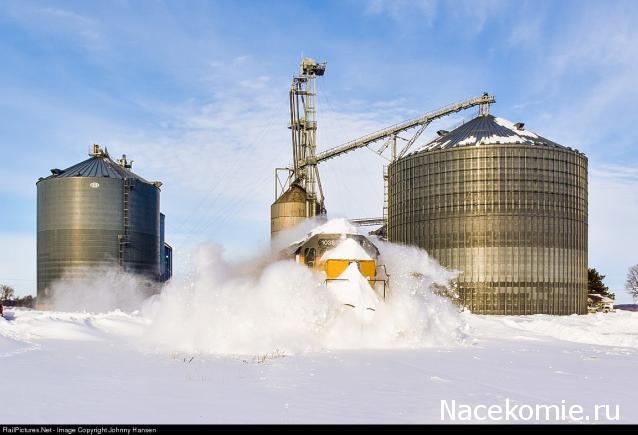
{"x":291,"y":209}
{"x":93,"y":214}
{"x":505,"y":207}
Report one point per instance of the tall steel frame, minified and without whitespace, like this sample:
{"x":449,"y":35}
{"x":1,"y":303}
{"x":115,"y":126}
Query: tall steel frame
{"x":303,"y":126}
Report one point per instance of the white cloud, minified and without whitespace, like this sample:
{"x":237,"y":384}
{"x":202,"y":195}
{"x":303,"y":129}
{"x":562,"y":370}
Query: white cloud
{"x":259,"y":82}
{"x":586,"y":77}
{"x":477,"y":14}
{"x":83,"y":30}
{"x":471,"y":16}
{"x":401,"y":9}
{"x":527,"y":32}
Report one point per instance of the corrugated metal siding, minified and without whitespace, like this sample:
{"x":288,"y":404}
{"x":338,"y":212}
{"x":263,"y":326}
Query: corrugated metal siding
{"x":511,"y":218}
{"x":81,"y":220}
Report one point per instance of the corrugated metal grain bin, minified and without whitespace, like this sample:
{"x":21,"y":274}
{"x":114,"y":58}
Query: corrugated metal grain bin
{"x":504,"y":206}
{"x":288,"y":210}
{"x":93,"y":214}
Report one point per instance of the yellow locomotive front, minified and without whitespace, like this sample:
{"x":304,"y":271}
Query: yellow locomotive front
{"x":334,"y":253}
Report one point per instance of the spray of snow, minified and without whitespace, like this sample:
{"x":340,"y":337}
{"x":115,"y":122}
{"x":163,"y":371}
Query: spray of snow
{"x":308,"y":229}
{"x":353,"y":290}
{"x":99,"y":290}
{"x":347,"y":249}
{"x":294,"y":235}
{"x":220,"y":309}
{"x":281,"y":306}
{"x":335,"y":226}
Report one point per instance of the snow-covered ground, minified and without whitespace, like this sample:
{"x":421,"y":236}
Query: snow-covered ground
{"x":104,"y":368}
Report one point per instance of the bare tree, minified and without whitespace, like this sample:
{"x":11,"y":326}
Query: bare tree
{"x":6,"y":292}
{"x":632,"y":281}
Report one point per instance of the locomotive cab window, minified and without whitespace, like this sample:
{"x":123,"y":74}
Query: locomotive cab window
{"x":310,"y":257}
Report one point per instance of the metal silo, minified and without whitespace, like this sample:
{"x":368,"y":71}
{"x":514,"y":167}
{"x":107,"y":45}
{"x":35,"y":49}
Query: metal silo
{"x":288,"y":210}
{"x":93,"y":214}
{"x":504,"y":206}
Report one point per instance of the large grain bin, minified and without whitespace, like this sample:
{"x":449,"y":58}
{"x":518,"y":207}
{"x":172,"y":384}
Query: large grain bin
{"x":96,"y":213}
{"x":505,"y":207}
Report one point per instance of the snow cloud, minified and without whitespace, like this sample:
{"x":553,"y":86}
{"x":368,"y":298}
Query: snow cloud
{"x":279,"y":306}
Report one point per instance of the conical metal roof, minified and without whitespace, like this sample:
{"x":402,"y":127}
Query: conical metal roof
{"x":486,"y":130}
{"x":295,"y":193}
{"x":99,"y":164}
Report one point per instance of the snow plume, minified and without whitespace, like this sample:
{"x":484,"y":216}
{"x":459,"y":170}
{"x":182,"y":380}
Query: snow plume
{"x":260,"y":307}
{"x":100,"y":290}
{"x":220,"y":309}
{"x":414,"y":311}
{"x":412,"y":315}
{"x":295,"y":234}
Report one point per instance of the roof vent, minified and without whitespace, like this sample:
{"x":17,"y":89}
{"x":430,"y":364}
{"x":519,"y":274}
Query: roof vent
{"x":57,"y":171}
{"x":97,"y":151}
{"x":124,"y":162}
{"x":520,"y":125}
{"x":442,"y":132}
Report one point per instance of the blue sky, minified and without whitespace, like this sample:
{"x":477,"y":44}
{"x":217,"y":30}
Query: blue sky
{"x":196,"y":93}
